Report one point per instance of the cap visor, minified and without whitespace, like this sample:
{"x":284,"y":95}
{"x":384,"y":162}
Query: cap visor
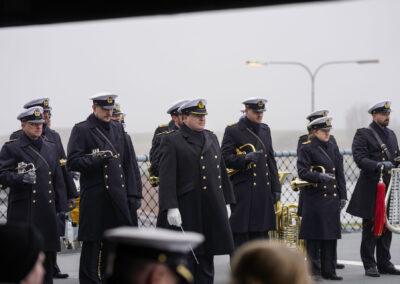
{"x":36,"y":121}
{"x":199,"y":113}
{"x":107,"y":107}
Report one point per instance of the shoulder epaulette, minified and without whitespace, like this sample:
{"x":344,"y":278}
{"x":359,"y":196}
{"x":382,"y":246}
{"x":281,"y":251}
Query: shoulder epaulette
{"x":80,"y":122}
{"x":208,"y":130}
{"x":232,"y":124}
{"x":306,"y":142}
{"x":165,"y":132}
{"x":47,"y":139}
{"x":11,"y":140}
{"x":162,"y":125}
{"x":16,"y":131}
{"x":360,"y":128}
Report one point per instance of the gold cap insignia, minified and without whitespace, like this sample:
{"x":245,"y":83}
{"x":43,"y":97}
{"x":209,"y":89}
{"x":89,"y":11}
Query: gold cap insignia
{"x":328,"y":123}
{"x":46,"y":103}
{"x":386,"y":105}
{"x":117,"y":107}
{"x":110,"y":100}
{"x":162,"y":258}
{"x":37,"y":112}
{"x":324,"y":114}
{"x":260,"y":104}
{"x":200,"y":105}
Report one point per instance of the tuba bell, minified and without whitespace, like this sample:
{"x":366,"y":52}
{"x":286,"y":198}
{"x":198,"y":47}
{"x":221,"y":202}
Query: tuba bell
{"x":242,"y":150}
{"x":296,"y":184}
{"x":392,"y":199}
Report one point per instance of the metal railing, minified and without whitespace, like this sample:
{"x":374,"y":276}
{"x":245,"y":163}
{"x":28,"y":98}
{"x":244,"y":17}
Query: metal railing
{"x":286,"y":162}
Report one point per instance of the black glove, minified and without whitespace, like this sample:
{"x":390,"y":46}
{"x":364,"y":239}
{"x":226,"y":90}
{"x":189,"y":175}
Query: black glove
{"x":342,"y":203}
{"x":387,"y":165}
{"x":276,"y":196}
{"x":135,"y":202}
{"x":138,"y":203}
{"x":326,"y":177}
{"x":253,"y":156}
{"x":29,"y":177}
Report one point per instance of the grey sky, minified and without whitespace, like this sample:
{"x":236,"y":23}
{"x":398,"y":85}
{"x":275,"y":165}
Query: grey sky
{"x":153,"y":61}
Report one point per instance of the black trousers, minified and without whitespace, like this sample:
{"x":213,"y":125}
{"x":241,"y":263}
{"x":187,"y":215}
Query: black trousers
{"x":203,"y":273}
{"x":322,"y":255}
{"x":48,"y":266}
{"x":241,"y":238}
{"x":368,"y":244}
{"x":92,"y":263}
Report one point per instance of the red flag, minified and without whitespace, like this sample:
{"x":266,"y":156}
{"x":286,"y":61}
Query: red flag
{"x":380,"y":210}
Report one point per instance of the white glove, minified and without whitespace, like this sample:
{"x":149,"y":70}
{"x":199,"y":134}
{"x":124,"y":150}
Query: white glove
{"x":174,"y":217}
{"x":228,"y":210}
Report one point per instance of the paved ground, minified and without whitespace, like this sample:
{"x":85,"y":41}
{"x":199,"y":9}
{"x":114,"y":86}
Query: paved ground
{"x":348,"y":253}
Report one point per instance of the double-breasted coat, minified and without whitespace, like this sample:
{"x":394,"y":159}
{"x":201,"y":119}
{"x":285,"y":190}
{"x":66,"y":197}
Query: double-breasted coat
{"x":321,"y":203}
{"x":193,"y":178}
{"x":367,"y":153}
{"x":109,"y":188}
{"x":304,"y":139}
{"x":254,"y":187}
{"x":36,"y":204}
{"x":54,"y":137}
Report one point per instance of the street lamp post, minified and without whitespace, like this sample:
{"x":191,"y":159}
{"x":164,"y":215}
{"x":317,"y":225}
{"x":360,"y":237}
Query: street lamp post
{"x":309,"y":72}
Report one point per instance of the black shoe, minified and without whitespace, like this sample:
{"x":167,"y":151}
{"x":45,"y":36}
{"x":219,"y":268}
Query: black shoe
{"x":390,"y":270}
{"x":332,"y":277}
{"x":372,"y":272}
{"x":60,"y":275}
{"x":339,"y":266}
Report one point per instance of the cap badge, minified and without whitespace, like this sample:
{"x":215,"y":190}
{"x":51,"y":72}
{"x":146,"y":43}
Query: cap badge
{"x":117,"y":107}
{"x":110,"y":100}
{"x":200,"y":105}
{"x":328,"y":123}
{"x":386,"y":105}
{"x":260,"y":104}
{"x":46,"y":103}
{"x":162,"y":258}
{"x":37,"y":112}
{"x":324,"y":114}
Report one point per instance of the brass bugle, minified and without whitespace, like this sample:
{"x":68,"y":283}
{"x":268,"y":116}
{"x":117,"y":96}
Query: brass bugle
{"x":239,"y":151}
{"x":296,"y":184}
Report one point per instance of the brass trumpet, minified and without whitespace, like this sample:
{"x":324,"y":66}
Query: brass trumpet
{"x":242,"y":150}
{"x":296,"y":184}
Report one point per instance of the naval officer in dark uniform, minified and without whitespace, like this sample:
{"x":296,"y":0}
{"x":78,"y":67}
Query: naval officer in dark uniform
{"x":304,"y":139}
{"x":256,"y":184}
{"x":71,"y":193}
{"x":34,"y":195}
{"x":174,"y":124}
{"x":369,"y":157}
{"x":195,"y":191}
{"x":119,"y":116}
{"x":98,"y":149}
{"x":320,"y":162}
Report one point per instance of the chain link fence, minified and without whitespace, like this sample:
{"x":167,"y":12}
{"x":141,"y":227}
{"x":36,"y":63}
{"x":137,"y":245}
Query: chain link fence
{"x":286,"y":161}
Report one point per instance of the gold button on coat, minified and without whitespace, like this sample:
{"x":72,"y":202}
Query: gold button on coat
{"x":254,"y":184}
{"x":50,"y":201}
{"x":106,"y":176}
{"x":201,"y":157}
{"x":34,"y":191}
{"x":220,"y":186}
{"x":255,"y":174}
{"x":123,"y":185}
{"x":34,"y":201}
{"x":49,"y":173}
{"x":49,"y":191}
{"x":204,"y":187}
{"x":105,"y":166}
{"x":334,"y":194}
{"x":49,"y":182}
{"x":204,"y":177}
{"x":325,"y":195}
{"x":204,"y":167}
{"x":216,"y":157}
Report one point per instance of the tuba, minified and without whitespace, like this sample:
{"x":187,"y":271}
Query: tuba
{"x":392,"y":199}
{"x":287,"y":222}
{"x":242,"y":150}
{"x":296,"y":184}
